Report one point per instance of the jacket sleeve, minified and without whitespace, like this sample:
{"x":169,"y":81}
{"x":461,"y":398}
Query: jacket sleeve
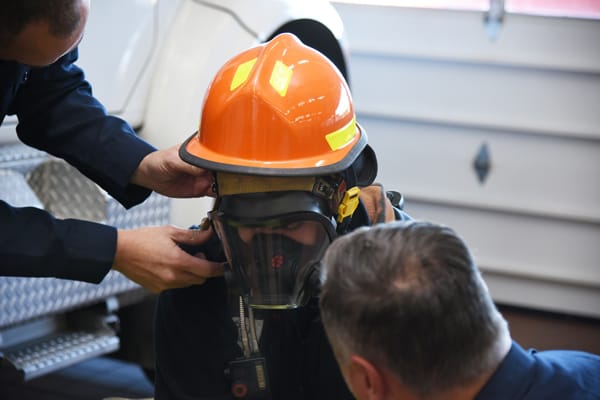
{"x":58,"y":114}
{"x":34,"y":244}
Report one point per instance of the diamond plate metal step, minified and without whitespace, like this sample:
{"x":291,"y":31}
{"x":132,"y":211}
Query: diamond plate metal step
{"x":49,"y":343}
{"x":31,"y":178}
{"x":46,"y":323}
{"x":58,"y":351}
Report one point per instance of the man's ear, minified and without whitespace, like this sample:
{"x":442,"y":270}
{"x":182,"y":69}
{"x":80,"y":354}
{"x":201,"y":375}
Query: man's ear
{"x":366,"y":381}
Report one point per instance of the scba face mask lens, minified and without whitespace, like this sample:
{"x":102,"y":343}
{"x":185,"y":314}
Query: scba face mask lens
{"x":273,"y":262}
{"x":275,"y":266}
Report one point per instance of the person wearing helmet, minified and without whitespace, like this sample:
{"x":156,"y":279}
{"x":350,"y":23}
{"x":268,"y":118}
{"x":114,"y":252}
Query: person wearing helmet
{"x":293,"y":171}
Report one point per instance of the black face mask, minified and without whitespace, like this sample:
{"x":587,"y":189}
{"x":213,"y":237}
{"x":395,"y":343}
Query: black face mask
{"x":272,"y":243}
{"x":274,"y":270}
{"x":282,"y":257}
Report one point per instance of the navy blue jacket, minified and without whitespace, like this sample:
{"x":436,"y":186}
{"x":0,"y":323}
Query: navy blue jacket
{"x":196,"y":339}
{"x":58,"y":114}
{"x":544,"y":375}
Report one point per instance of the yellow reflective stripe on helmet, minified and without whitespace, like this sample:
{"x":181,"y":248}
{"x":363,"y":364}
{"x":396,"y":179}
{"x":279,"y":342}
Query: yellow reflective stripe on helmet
{"x":241,"y":74}
{"x":281,"y":77}
{"x":342,"y":136}
{"x":228,"y":183}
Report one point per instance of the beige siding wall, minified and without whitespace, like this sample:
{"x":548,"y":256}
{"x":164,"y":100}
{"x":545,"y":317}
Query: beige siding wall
{"x":431,"y":88}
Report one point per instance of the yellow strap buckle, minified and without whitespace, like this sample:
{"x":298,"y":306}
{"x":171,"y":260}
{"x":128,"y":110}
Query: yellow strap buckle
{"x":348,"y":204}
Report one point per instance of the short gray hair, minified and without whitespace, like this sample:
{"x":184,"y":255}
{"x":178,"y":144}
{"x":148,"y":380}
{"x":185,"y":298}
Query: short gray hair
{"x":408,"y":297}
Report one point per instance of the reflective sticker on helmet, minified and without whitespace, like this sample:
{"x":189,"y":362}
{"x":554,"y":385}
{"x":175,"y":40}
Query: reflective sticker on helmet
{"x":342,"y":136}
{"x":241,"y":74}
{"x":281,"y":77}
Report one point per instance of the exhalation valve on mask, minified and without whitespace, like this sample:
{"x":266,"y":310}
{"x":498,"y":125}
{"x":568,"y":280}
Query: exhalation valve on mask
{"x":275,"y":271}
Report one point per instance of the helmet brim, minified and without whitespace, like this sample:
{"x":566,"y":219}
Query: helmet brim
{"x":195,"y":153}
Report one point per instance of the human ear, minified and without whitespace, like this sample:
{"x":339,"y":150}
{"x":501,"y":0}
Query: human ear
{"x":365,"y":379}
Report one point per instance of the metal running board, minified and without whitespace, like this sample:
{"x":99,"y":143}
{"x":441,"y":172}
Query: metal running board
{"x":52,"y":353}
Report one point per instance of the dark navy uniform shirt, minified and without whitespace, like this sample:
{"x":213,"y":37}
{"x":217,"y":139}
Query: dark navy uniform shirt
{"x":196,"y":339}
{"x":58,"y":114}
{"x":544,"y":375}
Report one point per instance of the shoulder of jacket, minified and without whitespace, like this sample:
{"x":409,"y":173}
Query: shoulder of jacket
{"x":377,"y":204}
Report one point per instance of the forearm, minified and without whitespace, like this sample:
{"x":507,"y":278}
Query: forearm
{"x":102,"y":147}
{"x":34,"y":244}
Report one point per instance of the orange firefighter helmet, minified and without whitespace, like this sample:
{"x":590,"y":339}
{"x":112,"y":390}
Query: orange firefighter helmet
{"x":280,"y":108}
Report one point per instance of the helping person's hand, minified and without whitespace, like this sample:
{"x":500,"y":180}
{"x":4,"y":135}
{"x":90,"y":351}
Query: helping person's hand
{"x":151,"y":257}
{"x":166,"y":173}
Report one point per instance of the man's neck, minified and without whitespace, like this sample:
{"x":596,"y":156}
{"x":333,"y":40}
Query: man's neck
{"x":465,"y":391}
{"x":470,"y":391}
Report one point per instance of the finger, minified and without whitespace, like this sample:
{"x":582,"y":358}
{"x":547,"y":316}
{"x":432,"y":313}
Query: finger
{"x":202,"y":267}
{"x":191,"y":236}
{"x":209,"y":192}
{"x":190,"y":169}
{"x":185,"y":279}
{"x":194,"y":170}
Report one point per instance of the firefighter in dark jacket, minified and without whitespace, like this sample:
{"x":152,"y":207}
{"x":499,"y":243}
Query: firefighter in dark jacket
{"x":41,"y":85}
{"x":293,"y":171}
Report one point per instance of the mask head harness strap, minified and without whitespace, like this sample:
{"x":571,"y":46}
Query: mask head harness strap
{"x":341,"y":200}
